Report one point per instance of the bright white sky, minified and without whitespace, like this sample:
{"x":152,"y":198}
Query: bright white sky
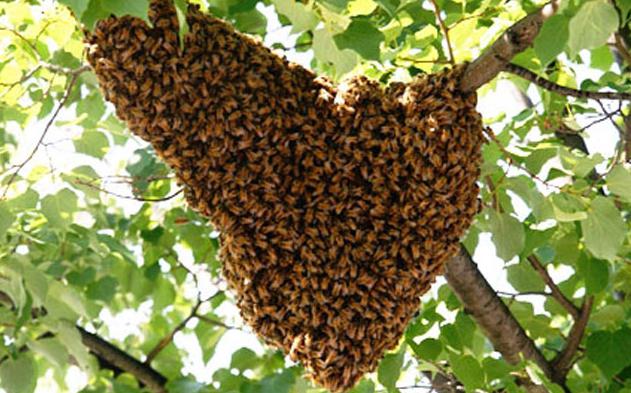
{"x":600,"y":139}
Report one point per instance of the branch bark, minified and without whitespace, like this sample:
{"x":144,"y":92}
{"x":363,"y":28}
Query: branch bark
{"x":515,"y":40}
{"x":112,"y":357}
{"x":556,"y":292}
{"x":491,"y":314}
{"x":150,"y":378}
{"x":564,"y":361}
{"x":563,"y":90}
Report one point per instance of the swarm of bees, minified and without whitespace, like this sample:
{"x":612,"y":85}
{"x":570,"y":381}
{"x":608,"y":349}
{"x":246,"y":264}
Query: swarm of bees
{"x":337,"y":205}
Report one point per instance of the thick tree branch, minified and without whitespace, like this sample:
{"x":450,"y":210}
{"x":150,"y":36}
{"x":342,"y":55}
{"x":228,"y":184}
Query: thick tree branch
{"x":515,"y":40}
{"x":150,"y":378}
{"x":565,"y":91}
{"x":554,"y":289}
{"x":111,"y":357}
{"x":564,"y":361}
{"x":491,"y":314}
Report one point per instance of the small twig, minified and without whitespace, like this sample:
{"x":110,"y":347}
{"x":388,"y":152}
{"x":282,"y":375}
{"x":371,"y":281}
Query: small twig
{"x":563,"y":90}
{"x":526,"y":293}
{"x":169,"y":338}
{"x":445,"y":30}
{"x":563,"y":362}
{"x":555,"y":291}
{"x":213,"y":322}
{"x":26,"y":77}
{"x":493,"y":190}
{"x":20,"y":36}
{"x":134,"y":198}
{"x":18,"y":167}
{"x":622,"y":48}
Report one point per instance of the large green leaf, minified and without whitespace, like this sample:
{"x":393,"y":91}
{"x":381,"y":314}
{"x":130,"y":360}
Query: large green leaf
{"x":58,"y":208}
{"x":507,"y":233}
{"x":325,"y":50}
{"x":6,"y":219}
{"x":610,"y":350}
{"x":362,"y":37}
{"x":592,"y":25}
{"x":301,"y":17}
{"x":19,"y":375}
{"x":390,"y":369}
{"x":78,"y":7}
{"x":468,"y":370}
{"x":603,"y":230}
{"x":552,"y":38}
{"x":137,"y":8}
{"x":619,"y":182}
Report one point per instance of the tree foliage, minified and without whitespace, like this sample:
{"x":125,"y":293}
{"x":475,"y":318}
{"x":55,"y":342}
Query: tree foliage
{"x":95,"y":234}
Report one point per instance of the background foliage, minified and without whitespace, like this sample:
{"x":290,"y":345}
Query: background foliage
{"x":94,"y":232}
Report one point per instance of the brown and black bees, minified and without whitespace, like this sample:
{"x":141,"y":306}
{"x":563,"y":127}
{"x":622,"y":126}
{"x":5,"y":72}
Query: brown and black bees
{"x":337,"y":206}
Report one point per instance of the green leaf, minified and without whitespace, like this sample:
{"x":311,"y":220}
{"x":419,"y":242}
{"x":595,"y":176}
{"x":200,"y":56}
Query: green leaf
{"x":92,"y":143}
{"x":244,"y":359}
{"x":603,"y":230}
{"x":184,"y":385}
{"x":71,"y":339}
{"x":507,"y":233}
{"x":19,"y":375}
{"x":180,"y":9}
{"x":362,"y":37}
{"x":390,"y":6}
{"x":592,"y":25}
{"x":58,"y":208}
{"x":52,"y":350}
{"x":595,"y":273}
{"x":619,"y":182}
{"x":137,"y":8}
{"x":524,"y":278}
{"x":103,"y":289}
{"x":468,"y":370}
{"x":78,"y":7}
{"x":252,"y":22}
{"x":25,"y":201}
{"x":390,"y":369}
{"x":429,"y":349}
{"x":568,"y":208}
{"x":364,"y":386}
{"x":610,"y":350}
{"x":6,"y":220}
{"x":325,"y":50}
{"x":552,"y":38}
{"x":301,"y":17}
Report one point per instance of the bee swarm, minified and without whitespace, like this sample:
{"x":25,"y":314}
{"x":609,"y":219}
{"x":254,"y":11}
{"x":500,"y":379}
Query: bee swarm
{"x":337,"y":206}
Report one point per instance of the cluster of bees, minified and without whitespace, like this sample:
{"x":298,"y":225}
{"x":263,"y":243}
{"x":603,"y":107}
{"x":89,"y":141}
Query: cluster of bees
{"x":337,"y":205}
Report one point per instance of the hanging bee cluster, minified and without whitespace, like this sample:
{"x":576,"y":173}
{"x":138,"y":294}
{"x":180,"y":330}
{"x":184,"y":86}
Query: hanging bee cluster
{"x":337,"y":205}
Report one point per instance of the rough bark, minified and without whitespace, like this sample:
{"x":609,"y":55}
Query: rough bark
{"x":110,"y":354}
{"x":490,"y":312}
{"x":515,"y":40}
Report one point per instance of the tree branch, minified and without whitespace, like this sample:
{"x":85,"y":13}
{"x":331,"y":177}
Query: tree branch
{"x":564,"y":360}
{"x":111,"y":357}
{"x":169,"y":338}
{"x":150,"y":378}
{"x":515,"y":40}
{"x":565,"y":91}
{"x":445,"y":30}
{"x":74,"y":75}
{"x":491,"y":314}
{"x":554,"y":289}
